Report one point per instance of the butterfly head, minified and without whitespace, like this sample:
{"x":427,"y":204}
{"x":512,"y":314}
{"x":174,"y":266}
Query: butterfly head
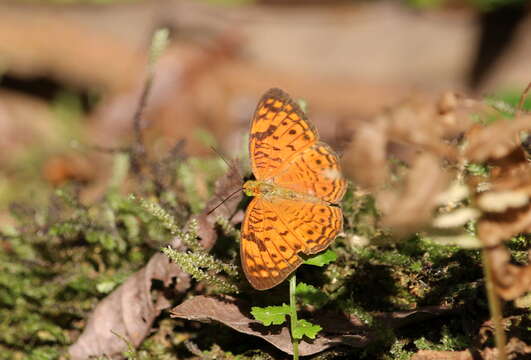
{"x":251,"y":188}
{"x":257,"y":188}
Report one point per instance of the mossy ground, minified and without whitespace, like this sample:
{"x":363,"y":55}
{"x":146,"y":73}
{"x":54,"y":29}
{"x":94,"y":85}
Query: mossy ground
{"x":58,"y":258}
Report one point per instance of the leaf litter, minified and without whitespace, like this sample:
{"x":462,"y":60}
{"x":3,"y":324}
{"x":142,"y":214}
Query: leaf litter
{"x":130,"y":310}
{"x":339,"y":329}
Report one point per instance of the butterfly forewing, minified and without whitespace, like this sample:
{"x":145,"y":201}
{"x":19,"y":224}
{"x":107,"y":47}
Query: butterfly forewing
{"x":315,"y":171}
{"x":279,"y":131}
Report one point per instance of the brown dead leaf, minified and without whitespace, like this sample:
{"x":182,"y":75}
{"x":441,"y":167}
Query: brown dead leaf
{"x":339,"y":328}
{"x":413,"y":206}
{"x":516,"y":349}
{"x":419,"y":124}
{"x":235,"y":313}
{"x":398,"y":319}
{"x":366,"y":156}
{"x":129,"y":311}
{"x":506,"y":204}
{"x":494,"y":228}
{"x":496,"y":140}
{"x":421,"y":133}
{"x":415,"y":126}
{"x":511,"y":281}
{"x":442,"y":355}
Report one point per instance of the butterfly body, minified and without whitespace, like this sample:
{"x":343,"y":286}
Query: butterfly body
{"x":296,"y":192}
{"x":271,"y":192}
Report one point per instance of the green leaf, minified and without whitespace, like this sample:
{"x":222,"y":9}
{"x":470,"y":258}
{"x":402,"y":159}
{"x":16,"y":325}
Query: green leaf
{"x":303,"y":328}
{"x":311,"y":295}
{"x":275,"y":315}
{"x":322,"y":259}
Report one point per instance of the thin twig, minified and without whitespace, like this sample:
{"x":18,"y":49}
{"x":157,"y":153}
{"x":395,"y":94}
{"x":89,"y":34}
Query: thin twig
{"x":110,"y":150}
{"x":158,"y":45}
{"x":522,"y":100}
{"x":138,"y":149}
{"x":293,"y":314}
{"x":525,"y":141}
{"x":494,"y":308}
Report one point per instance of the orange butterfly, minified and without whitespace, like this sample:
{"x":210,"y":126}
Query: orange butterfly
{"x":297,"y":188}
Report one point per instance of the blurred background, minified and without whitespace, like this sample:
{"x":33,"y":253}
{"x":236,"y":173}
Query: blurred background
{"x":71,"y":72}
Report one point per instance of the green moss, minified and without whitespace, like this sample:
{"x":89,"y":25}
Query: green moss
{"x":54,"y":270}
{"x":397,"y":351}
{"x":447,"y":342}
{"x":519,"y":246}
{"x":478,"y":170}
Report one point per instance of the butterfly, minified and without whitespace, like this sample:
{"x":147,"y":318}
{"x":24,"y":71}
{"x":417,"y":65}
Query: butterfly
{"x":296,"y":192}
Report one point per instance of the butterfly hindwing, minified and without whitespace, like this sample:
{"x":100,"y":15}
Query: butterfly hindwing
{"x":314,"y":225}
{"x":274,"y":232}
{"x":268,"y":249}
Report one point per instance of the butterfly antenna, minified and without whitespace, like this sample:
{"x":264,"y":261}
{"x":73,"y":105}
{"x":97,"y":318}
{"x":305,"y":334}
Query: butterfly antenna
{"x":221,"y":203}
{"x":221,"y":156}
{"x":229,"y":163}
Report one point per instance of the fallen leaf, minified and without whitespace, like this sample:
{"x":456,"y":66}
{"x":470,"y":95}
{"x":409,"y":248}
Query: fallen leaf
{"x":413,"y":206}
{"x":514,"y":348}
{"x":443,"y":355}
{"x":496,"y":140}
{"x":366,"y":157}
{"x":506,"y":204}
{"x":129,"y":311}
{"x":236,"y":314}
{"x":339,"y":329}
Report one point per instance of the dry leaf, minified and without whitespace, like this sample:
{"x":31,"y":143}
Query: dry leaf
{"x":417,"y":132}
{"x":366,"y":156}
{"x":497,"y":140}
{"x":419,"y":124}
{"x":236,"y":314}
{"x":514,"y":348}
{"x":506,"y":204}
{"x":510,"y":281}
{"x":442,"y":355}
{"x":413,"y":207}
{"x":339,"y":329}
{"x":129,"y":311}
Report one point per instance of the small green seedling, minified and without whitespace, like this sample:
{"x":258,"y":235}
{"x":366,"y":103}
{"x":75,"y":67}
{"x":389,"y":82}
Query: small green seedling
{"x":276,"y":315}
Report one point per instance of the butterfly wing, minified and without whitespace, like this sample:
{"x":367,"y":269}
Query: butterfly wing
{"x":274,"y":232}
{"x":313,"y":225}
{"x":314,"y":171}
{"x":267,"y":247}
{"x":279,"y":131}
